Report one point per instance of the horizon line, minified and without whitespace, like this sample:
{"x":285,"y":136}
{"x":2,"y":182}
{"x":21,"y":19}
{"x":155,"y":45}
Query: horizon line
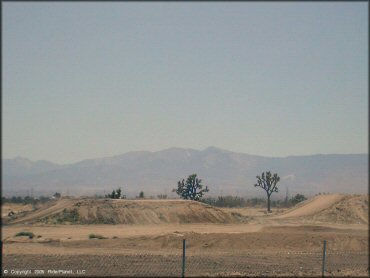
{"x":179,"y":148}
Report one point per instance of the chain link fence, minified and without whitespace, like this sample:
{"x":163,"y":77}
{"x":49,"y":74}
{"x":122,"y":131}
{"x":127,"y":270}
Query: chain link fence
{"x":197,"y":263}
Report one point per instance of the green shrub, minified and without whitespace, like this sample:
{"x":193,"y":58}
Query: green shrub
{"x":297,"y":199}
{"x":29,"y":234}
{"x":71,"y":216}
{"x":91,"y":236}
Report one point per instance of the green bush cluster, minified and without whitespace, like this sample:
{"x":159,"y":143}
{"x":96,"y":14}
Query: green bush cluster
{"x":235,"y":201}
{"x":116,"y":194}
{"x":225,"y":201}
{"x":23,"y":233}
{"x":66,"y":215}
{"x":25,"y":200}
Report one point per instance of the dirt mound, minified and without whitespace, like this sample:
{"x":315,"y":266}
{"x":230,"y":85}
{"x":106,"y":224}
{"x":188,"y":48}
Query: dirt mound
{"x":48,"y":209}
{"x":108,"y":211}
{"x":334,"y":208}
{"x":10,"y":209}
{"x":353,"y":209}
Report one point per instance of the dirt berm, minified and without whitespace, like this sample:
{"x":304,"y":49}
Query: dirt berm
{"x":333,"y":208}
{"x":109,"y":211}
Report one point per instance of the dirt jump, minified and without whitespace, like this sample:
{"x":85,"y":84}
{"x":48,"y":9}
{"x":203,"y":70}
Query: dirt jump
{"x":333,"y":208}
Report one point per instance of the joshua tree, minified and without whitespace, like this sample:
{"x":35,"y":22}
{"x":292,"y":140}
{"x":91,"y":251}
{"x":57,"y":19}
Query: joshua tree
{"x":191,"y":189}
{"x":268,"y":183}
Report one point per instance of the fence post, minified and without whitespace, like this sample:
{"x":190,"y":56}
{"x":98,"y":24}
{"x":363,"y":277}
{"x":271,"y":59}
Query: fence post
{"x":183,"y":257}
{"x":323,"y":258}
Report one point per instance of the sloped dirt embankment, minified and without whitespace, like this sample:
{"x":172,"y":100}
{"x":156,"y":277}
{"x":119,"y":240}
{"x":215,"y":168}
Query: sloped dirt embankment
{"x":333,"y":208}
{"x":108,"y":211}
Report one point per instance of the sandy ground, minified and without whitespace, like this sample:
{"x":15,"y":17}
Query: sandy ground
{"x":81,"y":232}
{"x":212,"y":249}
{"x":282,"y":243}
{"x":255,"y":212}
{"x":243,"y":237}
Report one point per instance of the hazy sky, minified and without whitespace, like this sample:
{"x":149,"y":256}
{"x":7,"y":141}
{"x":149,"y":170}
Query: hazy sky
{"x":86,"y":80}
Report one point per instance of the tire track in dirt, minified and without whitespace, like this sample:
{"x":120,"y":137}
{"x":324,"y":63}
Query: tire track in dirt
{"x":44,"y":212}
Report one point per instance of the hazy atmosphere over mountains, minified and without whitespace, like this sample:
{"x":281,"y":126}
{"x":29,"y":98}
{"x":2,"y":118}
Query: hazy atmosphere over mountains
{"x":225,"y":172}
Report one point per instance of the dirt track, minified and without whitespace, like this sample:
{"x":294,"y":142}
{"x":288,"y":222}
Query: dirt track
{"x":107,"y":211}
{"x":43,"y":212}
{"x":334,"y":208}
{"x":263,"y":244}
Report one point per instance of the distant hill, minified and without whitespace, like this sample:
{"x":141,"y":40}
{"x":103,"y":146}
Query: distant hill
{"x":225,"y":172}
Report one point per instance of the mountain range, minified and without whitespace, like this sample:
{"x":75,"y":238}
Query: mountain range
{"x":224,"y":172}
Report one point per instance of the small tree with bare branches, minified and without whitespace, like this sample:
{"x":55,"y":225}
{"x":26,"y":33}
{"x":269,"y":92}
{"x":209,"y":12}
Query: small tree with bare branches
{"x":268,"y":182}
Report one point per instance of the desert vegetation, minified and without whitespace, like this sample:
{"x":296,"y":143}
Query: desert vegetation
{"x":25,"y":200}
{"x":162,"y":196}
{"x":268,"y":182}
{"x":141,"y":195}
{"x":191,"y":189}
{"x":96,"y":236}
{"x":116,"y":194}
{"x":23,"y":233}
{"x":230,"y":201}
